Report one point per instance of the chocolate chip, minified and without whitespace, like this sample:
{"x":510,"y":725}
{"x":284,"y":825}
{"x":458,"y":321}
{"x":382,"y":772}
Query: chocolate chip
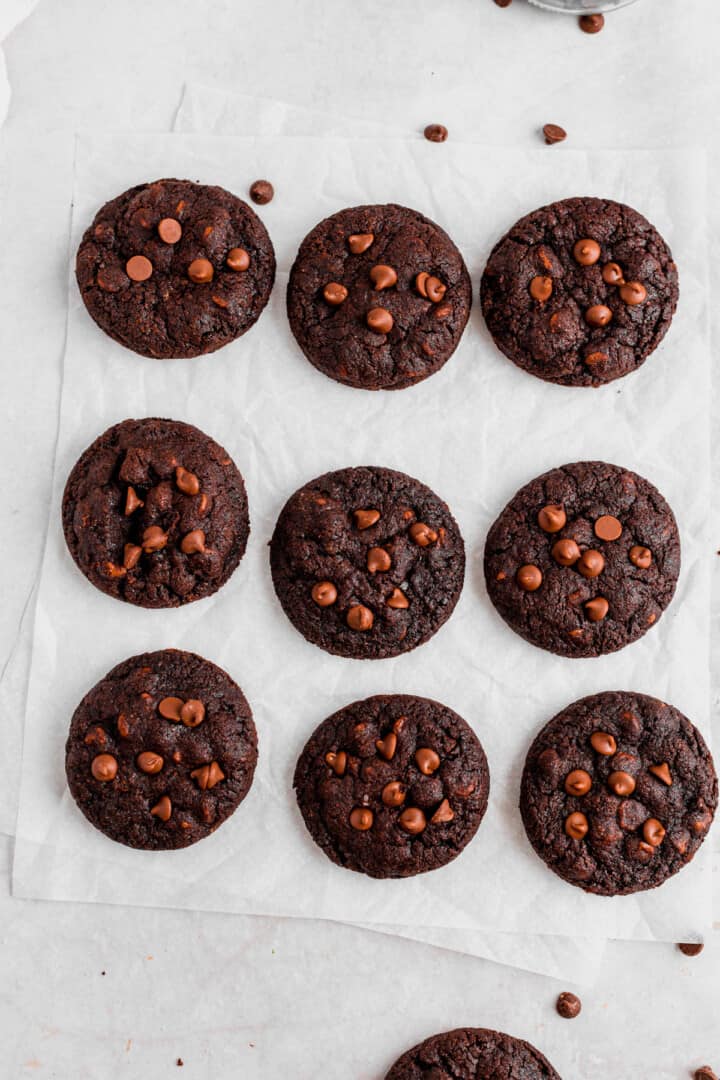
{"x":640,"y":556}
{"x":586,"y":252}
{"x":529,"y":577}
{"x":662,"y":772}
{"x":398,"y":600}
{"x":576,"y":826}
{"x":153,"y":538}
{"x":200,"y":271}
{"x":598,"y":315}
{"x":378,"y":560}
{"x":633,"y":293}
{"x":360,"y":242}
{"x":386,"y":747}
{"x":541,"y":288}
{"x":393,"y":794}
{"x":612,"y":274}
{"x":602,"y":743}
{"x":412,"y":820}
{"x":133,"y":501}
{"x":192,"y":713}
{"x":207,"y":776}
{"x":552,"y":518}
{"x":596,"y":609}
{"x":422,"y":534}
{"x":591,"y":563}
{"x":335,"y":293}
{"x":503,"y":3}
{"x":170,"y":708}
{"x":365,"y":518}
{"x":361,"y":818}
{"x":608,"y":528}
{"x":379,"y":320}
{"x":436,"y":133}
{"x":383,"y":277}
{"x":578,"y":782}
{"x":427,"y":761}
{"x":261,"y":192}
{"x":565,"y":552}
{"x":237,"y":259}
{"x":622,"y":783}
{"x":653,"y":832}
{"x":138,"y":268}
{"x":443,"y":814}
{"x":568,"y":1005}
{"x":324,"y":593}
{"x":162,"y":809}
{"x":193,"y":542}
{"x":704,"y":1073}
{"x":337,"y":762}
{"x":104,"y":767}
{"x":360,"y":618}
{"x":591,"y":24}
{"x":690,"y":948}
{"x":435,"y":289}
{"x":421,"y":282}
{"x":169,"y":230}
{"x":554,"y":133}
{"x":187,"y":482}
{"x":149,"y":762}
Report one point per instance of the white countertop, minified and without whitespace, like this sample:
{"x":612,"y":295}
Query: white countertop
{"x":260,"y":998}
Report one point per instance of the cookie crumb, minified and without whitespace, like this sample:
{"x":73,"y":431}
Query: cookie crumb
{"x":568,"y":1005}
{"x":179,"y":1063}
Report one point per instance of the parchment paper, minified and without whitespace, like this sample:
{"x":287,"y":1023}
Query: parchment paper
{"x":474,"y":432}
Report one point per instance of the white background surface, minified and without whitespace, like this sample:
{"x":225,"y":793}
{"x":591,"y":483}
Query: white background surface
{"x":330,"y":1001}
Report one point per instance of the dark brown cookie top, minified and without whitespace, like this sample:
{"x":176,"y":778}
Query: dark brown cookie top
{"x":378,"y":297}
{"x":584,"y":559}
{"x":618,"y":793}
{"x":161,"y":751}
{"x":175,"y":269}
{"x":393,"y":786}
{"x":367,"y":562}
{"x":472,"y":1054}
{"x":155,"y":513}
{"x":580,"y":292}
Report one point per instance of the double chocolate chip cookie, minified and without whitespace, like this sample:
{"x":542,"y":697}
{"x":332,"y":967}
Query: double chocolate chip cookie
{"x":175,"y":269}
{"x":378,"y":297}
{"x":393,"y":786}
{"x":584,"y":559}
{"x":580,"y":292}
{"x":367,"y":562}
{"x":155,"y":513}
{"x":472,"y":1054}
{"x":618,"y":793}
{"x":162,"y":751}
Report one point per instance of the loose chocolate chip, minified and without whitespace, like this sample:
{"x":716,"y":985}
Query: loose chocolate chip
{"x":169,"y":230}
{"x":131,"y":556}
{"x":193,"y":542}
{"x":361,"y":818}
{"x":132,"y":501}
{"x":360,"y":242}
{"x":591,"y":24}
{"x":412,"y":820}
{"x":690,"y":948}
{"x":704,"y":1073}
{"x":337,"y":762}
{"x":608,"y":528}
{"x":554,"y":134}
{"x":192,"y":713}
{"x":386,"y":747}
{"x":591,"y":563}
{"x":187,"y":482}
{"x":104,"y":767}
{"x":541,"y":288}
{"x":443,"y":814}
{"x":552,"y":518}
{"x":154,"y":539}
{"x":586,"y":252}
{"x":379,"y":320}
{"x":398,"y":600}
{"x":393,"y":794}
{"x":565,"y":552}
{"x":207,"y":776}
{"x":576,"y":826}
{"x":633,"y":293}
{"x":200,"y":271}
{"x":261,"y":192}
{"x":427,"y":761}
{"x":422,"y":534}
{"x":237,"y":259}
{"x":378,"y":560}
{"x":365,"y":518}
{"x":324,"y":593}
{"x":162,"y":809}
{"x":360,"y":618}
{"x":596,"y":609}
{"x":578,"y":782}
{"x":436,"y":133}
{"x":149,"y":762}
{"x":653,"y":832}
{"x":383,"y":277}
{"x":568,"y":1005}
{"x":503,"y":3}
{"x":170,"y":708}
{"x":529,"y":577}
{"x":335,"y":293}
{"x":138,"y":268}
{"x":662,"y":772}
{"x":602,"y":743}
{"x":612,"y":274}
{"x":622,"y":783}
{"x":598,"y":315}
{"x":640,"y":556}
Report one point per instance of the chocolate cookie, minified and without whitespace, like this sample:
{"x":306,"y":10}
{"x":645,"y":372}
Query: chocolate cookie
{"x":584,"y":559}
{"x":161,"y":751}
{"x":393,"y":786}
{"x":155,"y":513}
{"x":174,"y":269}
{"x":378,"y":297}
{"x":580,"y":292}
{"x":472,"y":1054}
{"x":618,"y":793}
{"x":367,"y":562}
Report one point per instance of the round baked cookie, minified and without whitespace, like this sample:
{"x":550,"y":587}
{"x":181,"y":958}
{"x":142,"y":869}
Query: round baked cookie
{"x":580,"y":292}
{"x":584,"y":559}
{"x":162,"y":751}
{"x":155,"y":513}
{"x":393,"y":786}
{"x":618,"y":793}
{"x":175,"y":269}
{"x":378,"y":297}
{"x":367,"y":562}
{"x":472,"y":1054}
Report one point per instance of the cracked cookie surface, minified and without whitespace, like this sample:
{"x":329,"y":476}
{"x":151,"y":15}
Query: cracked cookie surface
{"x":618,"y":793}
{"x":378,"y":297}
{"x":472,"y":1054}
{"x":393,"y":786}
{"x":584,"y":559}
{"x":155,"y":513}
{"x":175,"y":269}
{"x":161,"y":751}
{"x":580,"y":292}
{"x":367,"y":562}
